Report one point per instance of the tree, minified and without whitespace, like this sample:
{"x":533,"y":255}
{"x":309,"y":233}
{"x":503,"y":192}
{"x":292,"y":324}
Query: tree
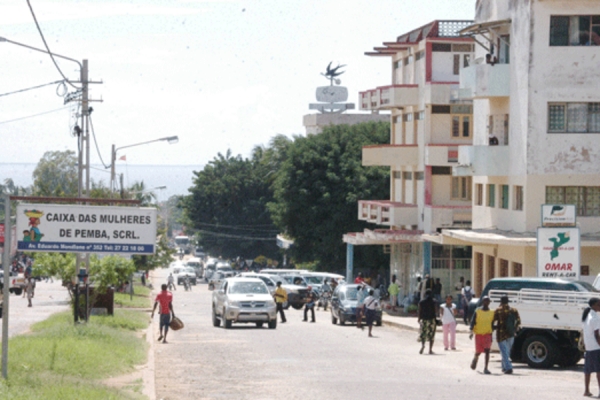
{"x":227,"y":208}
{"x":56,"y":175}
{"x":138,"y":191}
{"x":317,"y":192}
{"x":161,"y":258}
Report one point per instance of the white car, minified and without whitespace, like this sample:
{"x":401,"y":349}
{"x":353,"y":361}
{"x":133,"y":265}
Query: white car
{"x":243,"y":300}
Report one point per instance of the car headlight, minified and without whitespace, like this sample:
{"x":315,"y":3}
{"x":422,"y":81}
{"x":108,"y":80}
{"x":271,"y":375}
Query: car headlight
{"x":234,"y":303}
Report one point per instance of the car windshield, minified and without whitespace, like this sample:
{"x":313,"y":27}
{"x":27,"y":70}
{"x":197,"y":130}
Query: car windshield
{"x":587,"y":286}
{"x":314,"y":280}
{"x":248,"y":288}
{"x":193,"y":264}
{"x":351,"y":293}
{"x":190,"y":270}
{"x":225,"y":269}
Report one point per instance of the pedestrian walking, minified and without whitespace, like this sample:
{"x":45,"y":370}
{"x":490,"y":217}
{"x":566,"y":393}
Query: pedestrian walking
{"x":591,"y":340}
{"x":437,"y":291}
{"x":165,"y":299}
{"x":506,"y":322}
{"x":361,"y":294}
{"x":393,"y":290}
{"x":280,"y":298}
{"x":448,"y":317}
{"x":426,"y":319}
{"x":370,"y":305}
{"x":467,"y":295}
{"x":481,"y":326}
{"x":29,"y":291}
{"x":310,"y":305}
{"x":171,"y":282}
{"x":143,"y":279}
{"x":417,"y":292}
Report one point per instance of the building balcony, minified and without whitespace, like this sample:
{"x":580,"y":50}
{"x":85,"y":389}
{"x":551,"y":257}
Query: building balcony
{"x":438,"y":217}
{"x":390,"y":155}
{"x":440,"y":92}
{"x":442,"y":155}
{"x":484,"y":80}
{"x":388,"y":97}
{"x":483,"y":161}
{"x":384,"y":212}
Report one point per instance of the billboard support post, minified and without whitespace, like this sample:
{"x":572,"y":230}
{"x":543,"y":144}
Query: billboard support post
{"x":6,"y":284}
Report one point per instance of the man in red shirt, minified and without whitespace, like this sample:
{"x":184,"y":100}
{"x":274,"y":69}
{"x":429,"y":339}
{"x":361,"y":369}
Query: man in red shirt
{"x":165,"y":299}
{"x":359,"y":279}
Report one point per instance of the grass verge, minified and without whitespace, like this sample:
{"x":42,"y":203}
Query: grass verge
{"x":60,"y":360}
{"x":141,"y":298}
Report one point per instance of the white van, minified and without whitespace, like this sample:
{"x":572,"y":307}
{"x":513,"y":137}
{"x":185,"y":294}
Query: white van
{"x":196,"y":263}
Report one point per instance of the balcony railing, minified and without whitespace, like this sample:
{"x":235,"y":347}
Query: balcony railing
{"x":387,"y":97}
{"x":483,"y":161}
{"x":390,"y":155}
{"x":484,"y":80}
{"x":436,"y":217}
{"x":441,"y":155}
{"x":385,"y":212}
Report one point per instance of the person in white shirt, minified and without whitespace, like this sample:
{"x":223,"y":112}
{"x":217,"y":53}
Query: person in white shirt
{"x":591,"y":340}
{"x":448,"y":316}
{"x":370,"y":304}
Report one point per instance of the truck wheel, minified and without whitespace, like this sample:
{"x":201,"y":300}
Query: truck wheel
{"x":539,"y":351}
{"x":273,"y":324}
{"x":18,"y":292}
{"x":333,"y":319}
{"x":569,"y":357}
{"x":216,"y":321}
{"x":297,"y":306}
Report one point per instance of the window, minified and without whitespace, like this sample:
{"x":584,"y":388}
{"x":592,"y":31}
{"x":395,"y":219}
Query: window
{"x":585,"y":198}
{"x":504,"y":193}
{"x":408,"y":60}
{"x":407,"y":176}
{"x":440,"y":109}
{"x":491,"y":196}
{"x":478,"y":194}
{"x":456,"y":64}
{"x":585,"y":270}
{"x":441,"y":170}
{"x":420,"y":116}
{"x":397,"y":174}
{"x":463,"y":48}
{"x":574,"y":117}
{"x":419,"y":55}
{"x":466,"y":60}
{"x":517,"y":269}
{"x":408,"y":117}
{"x":397,"y":119}
{"x":397,"y":64}
{"x":443,"y":47}
{"x":518,"y":204}
{"x":576,"y":30}
{"x":419,"y":176}
{"x":461,"y":126}
{"x":461,"y":187}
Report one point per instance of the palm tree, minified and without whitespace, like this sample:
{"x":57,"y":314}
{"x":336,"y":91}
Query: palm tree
{"x":138,"y":191}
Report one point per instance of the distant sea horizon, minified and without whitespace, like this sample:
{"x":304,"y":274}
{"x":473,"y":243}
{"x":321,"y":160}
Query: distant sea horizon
{"x":177,"y":178}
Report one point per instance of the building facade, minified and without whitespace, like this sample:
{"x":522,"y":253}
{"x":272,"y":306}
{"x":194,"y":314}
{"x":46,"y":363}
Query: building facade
{"x":533,"y":84}
{"x":429,"y":121}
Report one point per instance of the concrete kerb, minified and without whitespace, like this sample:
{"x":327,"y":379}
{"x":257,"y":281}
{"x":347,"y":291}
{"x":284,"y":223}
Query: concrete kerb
{"x":149,"y":388}
{"x":411,"y":324}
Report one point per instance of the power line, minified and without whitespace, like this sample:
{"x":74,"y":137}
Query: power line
{"x":34,"y":115}
{"x":48,"y":48}
{"x":31,"y":88}
{"x":95,"y":141}
{"x":237,"y":236}
{"x":240,"y":227}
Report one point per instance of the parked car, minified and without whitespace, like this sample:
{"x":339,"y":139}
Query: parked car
{"x":297,"y":294}
{"x":516,"y":284}
{"x":343,"y":304}
{"x":186,"y":272}
{"x":216,"y":279}
{"x":16,"y":282}
{"x":243,"y":300}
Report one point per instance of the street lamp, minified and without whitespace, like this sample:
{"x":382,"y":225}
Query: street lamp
{"x":113,"y":154}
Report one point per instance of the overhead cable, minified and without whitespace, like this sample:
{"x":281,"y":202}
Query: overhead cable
{"x":48,"y":48}
{"x":96,"y":142}
{"x":31,"y":88}
{"x":34,"y":115}
{"x":238,"y":236}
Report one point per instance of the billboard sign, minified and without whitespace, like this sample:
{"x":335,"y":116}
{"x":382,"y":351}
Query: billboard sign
{"x":558,"y":215}
{"x":558,"y":253}
{"x":85,"y":229}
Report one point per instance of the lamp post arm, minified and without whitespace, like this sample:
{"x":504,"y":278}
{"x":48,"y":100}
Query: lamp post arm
{"x":3,"y":39}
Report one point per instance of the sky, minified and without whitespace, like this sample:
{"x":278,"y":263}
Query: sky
{"x":219,"y":74}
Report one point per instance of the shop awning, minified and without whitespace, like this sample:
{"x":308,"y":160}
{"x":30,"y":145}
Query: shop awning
{"x":382,"y":237}
{"x":495,"y":237}
{"x":484,"y":27}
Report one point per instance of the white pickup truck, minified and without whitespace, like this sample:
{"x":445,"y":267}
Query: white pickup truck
{"x":550,"y":325}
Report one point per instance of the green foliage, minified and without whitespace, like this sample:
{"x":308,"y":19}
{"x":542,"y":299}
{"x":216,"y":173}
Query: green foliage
{"x":161,"y":258}
{"x":61,"y":265}
{"x":56,"y":175}
{"x":227,"y":207}
{"x":310,"y":266}
{"x":59,"y":360}
{"x":109,"y":271}
{"x":317,"y":192}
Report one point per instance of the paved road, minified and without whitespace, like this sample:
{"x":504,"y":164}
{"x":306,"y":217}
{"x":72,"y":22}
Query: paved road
{"x":49,"y":298}
{"x":309,"y":361}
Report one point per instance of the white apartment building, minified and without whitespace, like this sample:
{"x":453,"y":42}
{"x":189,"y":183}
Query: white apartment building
{"x":539,"y":96}
{"x":428,"y":124}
